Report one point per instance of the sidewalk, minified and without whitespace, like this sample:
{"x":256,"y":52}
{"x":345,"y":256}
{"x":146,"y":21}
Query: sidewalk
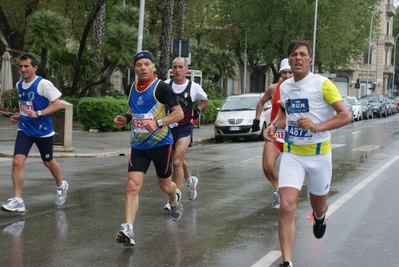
{"x":88,"y":144}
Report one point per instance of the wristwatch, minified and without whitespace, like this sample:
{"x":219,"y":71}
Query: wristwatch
{"x":39,"y":113}
{"x":159,"y":123}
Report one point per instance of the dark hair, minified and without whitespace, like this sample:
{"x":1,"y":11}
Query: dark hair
{"x":297,"y":43}
{"x":34,"y":62}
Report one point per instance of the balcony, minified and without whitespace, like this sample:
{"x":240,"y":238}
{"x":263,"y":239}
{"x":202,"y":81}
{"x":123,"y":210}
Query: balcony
{"x":388,"y":69}
{"x":391,"y":10}
{"x":389,"y":40}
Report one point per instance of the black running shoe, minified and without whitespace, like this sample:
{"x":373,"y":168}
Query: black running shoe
{"x":319,"y":227}
{"x":285,"y":264}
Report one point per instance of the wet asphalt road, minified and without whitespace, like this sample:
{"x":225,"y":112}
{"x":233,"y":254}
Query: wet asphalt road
{"x":231,"y":223}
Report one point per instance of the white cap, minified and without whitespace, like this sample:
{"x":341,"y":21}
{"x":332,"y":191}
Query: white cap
{"x":284,"y":66}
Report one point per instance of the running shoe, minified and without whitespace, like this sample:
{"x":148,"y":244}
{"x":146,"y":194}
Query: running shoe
{"x":13,"y":205}
{"x":126,"y":235}
{"x":61,"y":194}
{"x":276,"y":200}
{"x":319,"y":227}
{"x":192,"y":188}
{"x":285,"y":264}
{"x":176,"y":210}
{"x":167,"y":205}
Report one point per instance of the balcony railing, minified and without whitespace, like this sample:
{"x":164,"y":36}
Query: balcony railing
{"x":388,"y":69}
{"x":391,"y":10}
{"x":389,"y":40}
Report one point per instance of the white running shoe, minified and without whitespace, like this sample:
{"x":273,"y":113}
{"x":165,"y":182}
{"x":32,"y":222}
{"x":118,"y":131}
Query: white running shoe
{"x":192,"y":189}
{"x":276,"y":200}
{"x":126,"y":235}
{"x":62,"y":194}
{"x":13,"y":205}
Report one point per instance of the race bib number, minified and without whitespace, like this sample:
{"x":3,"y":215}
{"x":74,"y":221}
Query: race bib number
{"x":25,"y":106}
{"x":137,"y":122}
{"x":296,"y":132}
{"x":279,"y":135}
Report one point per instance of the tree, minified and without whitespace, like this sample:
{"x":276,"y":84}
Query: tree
{"x":165,"y":39}
{"x":45,"y":30}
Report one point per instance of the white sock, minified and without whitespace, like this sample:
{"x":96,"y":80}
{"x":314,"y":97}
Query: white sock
{"x":189,"y":180}
{"x":318,"y":218}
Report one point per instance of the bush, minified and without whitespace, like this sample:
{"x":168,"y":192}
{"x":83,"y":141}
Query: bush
{"x":10,"y":98}
{"x":74,"y":102}
{"x":210,"y":113}
{"x":99,"y":113}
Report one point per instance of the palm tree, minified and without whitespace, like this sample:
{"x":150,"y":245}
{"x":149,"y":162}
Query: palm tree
{"x":165,"y":40}
{"x":181,"y":12}
{"x":45,"y":30}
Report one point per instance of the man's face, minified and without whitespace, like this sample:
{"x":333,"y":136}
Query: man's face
{"x":300,"y":61}
{"x":286,"y":74}
{"x":144,"y":69}
{"x":179,"y":70}
{"x":26,"y":69}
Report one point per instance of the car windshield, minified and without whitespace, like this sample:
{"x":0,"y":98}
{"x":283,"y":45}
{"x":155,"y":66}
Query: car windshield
{"x":373,"y":98}
{"x":240,"y":103}
{"x":352,"y":101}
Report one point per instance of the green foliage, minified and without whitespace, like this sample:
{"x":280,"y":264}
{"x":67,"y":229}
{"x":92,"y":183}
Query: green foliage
{"x":210,"y":113}
{"x":213,"y":90}
{"x":74,"y":102}
{"x":10,"y":98}
{"x":99,"y":113}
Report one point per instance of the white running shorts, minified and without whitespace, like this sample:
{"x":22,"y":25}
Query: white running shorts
{"x":318,"y":169}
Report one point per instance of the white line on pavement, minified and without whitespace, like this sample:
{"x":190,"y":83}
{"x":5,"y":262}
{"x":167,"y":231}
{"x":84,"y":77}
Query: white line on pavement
{"x":268,"y":259}
{"x":273,"y":255}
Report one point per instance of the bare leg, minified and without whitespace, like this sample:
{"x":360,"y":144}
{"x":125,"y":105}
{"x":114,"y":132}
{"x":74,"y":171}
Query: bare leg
{"x":178,"y":159}
{"x":270,"y":155}
{"x":286,"y":222}
{"x":55,"y":170}
{"x":18,"y":174}
{"x":134,"y":184}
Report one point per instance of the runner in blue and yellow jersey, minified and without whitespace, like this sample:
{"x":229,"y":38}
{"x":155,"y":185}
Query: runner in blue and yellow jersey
{"x":311,"y":106}
{"x":152,"y":107}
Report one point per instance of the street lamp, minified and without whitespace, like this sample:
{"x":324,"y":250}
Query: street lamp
{"x":314,"y":35}
{"x":244,"y":88}
{"x":140,"y":31}
{"x":394,"y":65}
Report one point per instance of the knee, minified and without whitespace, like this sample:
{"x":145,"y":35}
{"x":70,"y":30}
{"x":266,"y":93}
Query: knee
{"x":18,"y":162}
{"x":166,"y":187}
{"x":132,"y":187}
{"x":177,"y":162}
{"x":287,"y":209}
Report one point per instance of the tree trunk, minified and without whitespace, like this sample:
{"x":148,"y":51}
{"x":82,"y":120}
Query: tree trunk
{"x":181,"y":13}
{"x":165,"y":39}
{"x":82,"y":44}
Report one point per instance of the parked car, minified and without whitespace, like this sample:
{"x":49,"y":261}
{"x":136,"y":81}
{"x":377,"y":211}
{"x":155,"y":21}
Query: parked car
{"x":378,"y":104}
{"x":392,"y":104}
{"x":367,"y":110}
{"x":349,"y":106}
{"x":357,"y":108}
{"x":236,"y":115}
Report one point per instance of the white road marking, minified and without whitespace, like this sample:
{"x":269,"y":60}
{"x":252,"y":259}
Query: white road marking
{"x":274,"y":255}
{"x":342,"y":200}
{"x":268,"y":259}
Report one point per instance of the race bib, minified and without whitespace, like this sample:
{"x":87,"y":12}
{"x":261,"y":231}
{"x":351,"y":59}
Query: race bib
{"x":137,"y":122}
{"x":299,"y":105}
{"x":279,"y":135}
{"x":24,"y":106}
{"x":295,"y":132}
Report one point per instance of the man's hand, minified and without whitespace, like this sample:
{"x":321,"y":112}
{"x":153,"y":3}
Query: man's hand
{"x":196,"y":114}
{"x":255,"y":125}
{"x":120,"y":121}
{"x":269,"y":133}
{"x":14,"y":118}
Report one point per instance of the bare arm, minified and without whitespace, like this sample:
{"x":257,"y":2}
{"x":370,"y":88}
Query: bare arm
{"x":53,"y":107}
{"x":269,"y":94}
{"x":342,"y":118}
{"x":276,"y":123}
{"x":203,"y":104}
